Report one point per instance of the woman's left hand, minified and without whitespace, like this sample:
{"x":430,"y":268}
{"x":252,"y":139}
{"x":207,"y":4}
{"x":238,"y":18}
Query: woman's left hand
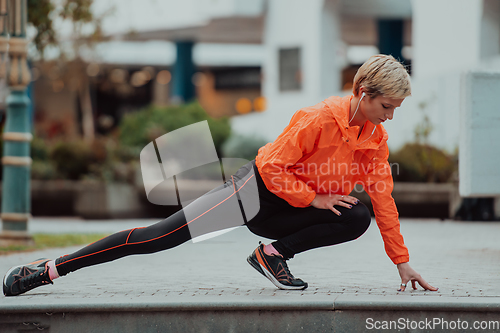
{"x":409,"y":274}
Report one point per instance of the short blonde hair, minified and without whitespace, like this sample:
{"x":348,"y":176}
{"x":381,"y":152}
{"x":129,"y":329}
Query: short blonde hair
{"x":382,"y":75}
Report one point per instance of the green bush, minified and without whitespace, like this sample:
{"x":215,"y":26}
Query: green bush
{"x":140,"y":128}
{"x":71,"y":159}
{"x":416,"y":162}
{"x":39,"y":149}
{"x":43,"y":170}
{"x":124,"y":153}
{"x":243,"y":146}
{"x":42,"y":167}
{"x":112,"y":171}
{"x":103,"y":160}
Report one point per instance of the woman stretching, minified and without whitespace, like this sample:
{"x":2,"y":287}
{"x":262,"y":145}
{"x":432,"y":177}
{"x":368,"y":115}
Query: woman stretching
{"x":303,"y":181}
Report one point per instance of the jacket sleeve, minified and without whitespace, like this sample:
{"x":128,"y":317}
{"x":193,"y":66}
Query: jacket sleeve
{"x":378,"y":184}
{"x":277,"y":165}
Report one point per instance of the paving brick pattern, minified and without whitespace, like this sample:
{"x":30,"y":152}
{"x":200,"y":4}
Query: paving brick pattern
{"x":461,"y":258}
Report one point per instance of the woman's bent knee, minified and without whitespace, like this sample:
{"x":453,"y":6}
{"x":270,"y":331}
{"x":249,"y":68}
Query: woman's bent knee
{"x":361,"y":217}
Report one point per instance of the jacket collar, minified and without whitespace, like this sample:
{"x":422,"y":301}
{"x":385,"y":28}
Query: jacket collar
{"x":339,"y":108}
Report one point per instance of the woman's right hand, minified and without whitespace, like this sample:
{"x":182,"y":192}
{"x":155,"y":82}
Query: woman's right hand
{"x":327,"y":201}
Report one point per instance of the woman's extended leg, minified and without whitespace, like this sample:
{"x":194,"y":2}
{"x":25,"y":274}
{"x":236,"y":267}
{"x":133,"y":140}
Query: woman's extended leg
{"x":173,"y":231}
{"x":163,"y":235}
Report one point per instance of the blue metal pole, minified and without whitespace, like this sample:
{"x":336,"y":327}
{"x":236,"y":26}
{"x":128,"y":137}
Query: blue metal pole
{"x":16,"y":171}
{"x":17,"y":137}
{"x":183,"y":89}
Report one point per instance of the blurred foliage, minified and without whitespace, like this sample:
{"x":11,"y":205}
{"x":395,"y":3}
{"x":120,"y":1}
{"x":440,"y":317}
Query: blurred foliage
{"x":140,"y":128}
{"x":416,"y":162}
{"x":39,"y":15}
{"x":82,"y":30}
{"x":39,"y":149}
{"x":43,"y":13}
{"x":243,"y":146}
{"x":111,"y":161}
{"x":423,"y":130}
{"x":77,"y":10}
{"x":419,"y":161}
{"x":71,"y":159}
{"x":116,"y":156}
{"x":43,"y":170}
{"x":104,"y":160}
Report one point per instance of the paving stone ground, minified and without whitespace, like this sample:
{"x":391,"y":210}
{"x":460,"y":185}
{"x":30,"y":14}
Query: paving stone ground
{"x":461,"y":258}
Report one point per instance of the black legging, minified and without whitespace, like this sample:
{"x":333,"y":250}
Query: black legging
{"x":294,"y":229}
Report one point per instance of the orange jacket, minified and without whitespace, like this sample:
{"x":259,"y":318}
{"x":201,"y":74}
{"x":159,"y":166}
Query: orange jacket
{"x":318,"y":152}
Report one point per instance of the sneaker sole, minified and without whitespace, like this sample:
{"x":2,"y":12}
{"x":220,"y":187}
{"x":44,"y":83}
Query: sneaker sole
{"x":262,"y":270}
{"x":278,"y":284}
{"x":255,"y":264}
{"x":5,"y":287}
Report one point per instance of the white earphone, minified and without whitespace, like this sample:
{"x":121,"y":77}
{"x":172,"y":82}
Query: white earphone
{"x":374,"y":128}
{"x":362,"y":95}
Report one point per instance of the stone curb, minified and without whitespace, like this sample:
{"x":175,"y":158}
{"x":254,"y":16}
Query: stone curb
{"x":341,"y":302}
{"x":173,"y":304}
{"x":419,"y":303}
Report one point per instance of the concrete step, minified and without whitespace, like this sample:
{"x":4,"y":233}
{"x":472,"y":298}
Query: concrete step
{"x":341,"y":313}
{"x":209,"y":287}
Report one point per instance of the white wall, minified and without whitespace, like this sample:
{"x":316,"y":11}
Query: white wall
{"x":480,"y":138}
{"x":144,"y":15}
{"x":446,"y":42}
{"x":314,"y":26}
{"x":332,"y":50}
{"x":224,"y":8}
{"x":445,"y":36}
{"x":215,"y":8}
{"x":438,"y":98}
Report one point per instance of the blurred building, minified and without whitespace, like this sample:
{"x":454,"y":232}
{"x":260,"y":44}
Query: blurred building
{"x":244,"y":57}
{"x":132,"y":75}
{"x":312,"y":49}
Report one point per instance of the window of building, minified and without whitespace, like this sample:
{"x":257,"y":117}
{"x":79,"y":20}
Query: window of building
{"x":290,"y":74}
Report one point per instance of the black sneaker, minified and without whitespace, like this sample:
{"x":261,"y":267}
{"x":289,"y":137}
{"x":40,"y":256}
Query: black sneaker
{"x":22,"y":278}
{"x":275,"y":269}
